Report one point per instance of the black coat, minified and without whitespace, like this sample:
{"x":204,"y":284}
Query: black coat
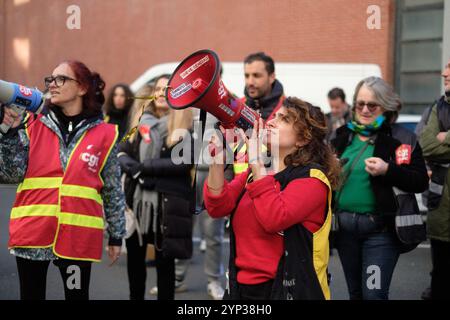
{"x":176,"y":200}
{"x":160,"y":174}
{"x":120,"y":118}
{"x":409,"y":178}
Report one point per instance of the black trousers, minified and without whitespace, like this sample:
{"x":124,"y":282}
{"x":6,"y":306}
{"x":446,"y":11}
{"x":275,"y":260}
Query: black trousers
{"x":136,"y":267}
{"x":33,"y":278}
{"x":259,"y":291}
{"x":137,"y":270}
{"x":165,"y":276}
{"x":440,"y":277}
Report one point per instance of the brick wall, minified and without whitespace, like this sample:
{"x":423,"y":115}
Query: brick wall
{"x":121,"y":39}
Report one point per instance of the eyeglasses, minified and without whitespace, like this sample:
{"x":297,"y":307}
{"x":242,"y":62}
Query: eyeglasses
{"x":372,"y":106}
{"x":59,"y":80}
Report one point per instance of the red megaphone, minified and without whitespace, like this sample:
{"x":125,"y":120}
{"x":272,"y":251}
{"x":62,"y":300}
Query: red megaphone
{"x":196,"y":83}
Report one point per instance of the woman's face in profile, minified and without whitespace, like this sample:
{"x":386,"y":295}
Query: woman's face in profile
{"x":160,"y":87}
{"x":280,"y":132}
{"x":65,"y":88}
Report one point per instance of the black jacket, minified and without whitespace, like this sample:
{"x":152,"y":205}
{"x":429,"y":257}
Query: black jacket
{"x":347,"y":117}
{"x":409,"y":178}
{"x":120,"y":118}
{"x":176,"y":199}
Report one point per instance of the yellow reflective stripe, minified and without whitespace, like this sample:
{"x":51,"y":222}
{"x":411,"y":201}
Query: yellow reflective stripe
{"x":39,"y":183}
{"x":321,"y":240}
{"x":315,"y":173}
{"x":69,"y":190}
{"x":80,"y":220}
{"x":243,"y":149}
{"x":240,"y":167}
{"x":35,"y":210}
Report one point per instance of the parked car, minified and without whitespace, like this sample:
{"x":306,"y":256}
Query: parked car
{"x":409,"y":121}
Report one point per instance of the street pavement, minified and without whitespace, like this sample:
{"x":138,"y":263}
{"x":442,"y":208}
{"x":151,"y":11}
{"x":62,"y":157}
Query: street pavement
{"x":410,"y":278}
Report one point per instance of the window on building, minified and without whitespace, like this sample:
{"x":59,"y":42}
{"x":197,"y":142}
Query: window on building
{"x":419,"y":53}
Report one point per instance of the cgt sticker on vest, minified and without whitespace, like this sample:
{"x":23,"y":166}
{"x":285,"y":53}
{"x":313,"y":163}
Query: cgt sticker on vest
{"x":91,"y":158}
{"x":403,"y":154}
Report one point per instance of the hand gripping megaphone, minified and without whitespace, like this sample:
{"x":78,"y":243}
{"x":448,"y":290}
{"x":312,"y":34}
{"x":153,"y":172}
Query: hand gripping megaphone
{"x":196,"y":83}
{"x":20,"y":99}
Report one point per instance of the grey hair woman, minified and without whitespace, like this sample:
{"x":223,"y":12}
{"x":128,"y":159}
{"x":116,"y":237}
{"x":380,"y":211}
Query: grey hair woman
{"x":365,"y":204}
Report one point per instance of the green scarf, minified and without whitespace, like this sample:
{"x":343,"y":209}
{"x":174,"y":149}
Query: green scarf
{"x":366,"y":130}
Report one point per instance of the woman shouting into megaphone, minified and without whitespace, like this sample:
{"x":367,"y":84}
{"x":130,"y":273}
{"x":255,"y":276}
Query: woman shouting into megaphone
{"x":280,"y":220}
{"x":65,"y":162}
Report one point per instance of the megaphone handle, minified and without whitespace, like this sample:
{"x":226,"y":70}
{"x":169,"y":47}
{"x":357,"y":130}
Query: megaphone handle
{"x":4,"y":127}
{"x":202,"y":119}
{"x":224,"y":141}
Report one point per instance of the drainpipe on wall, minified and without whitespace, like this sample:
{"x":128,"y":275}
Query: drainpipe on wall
{"x":446,"y":36}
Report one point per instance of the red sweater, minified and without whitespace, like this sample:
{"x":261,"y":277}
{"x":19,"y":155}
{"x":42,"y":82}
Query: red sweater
{"x":263,"y":212}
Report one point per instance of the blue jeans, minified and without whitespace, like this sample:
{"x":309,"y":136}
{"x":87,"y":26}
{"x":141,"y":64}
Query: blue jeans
{"x":368,"y":250}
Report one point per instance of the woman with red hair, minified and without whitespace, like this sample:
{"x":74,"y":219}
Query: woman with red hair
{"x":65,"y":161}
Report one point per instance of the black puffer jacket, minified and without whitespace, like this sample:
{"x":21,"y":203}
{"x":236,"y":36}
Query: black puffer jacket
{"x":409,"y":178}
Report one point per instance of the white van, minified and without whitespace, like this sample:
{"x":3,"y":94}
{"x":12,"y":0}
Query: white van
{"x":308,"y":81}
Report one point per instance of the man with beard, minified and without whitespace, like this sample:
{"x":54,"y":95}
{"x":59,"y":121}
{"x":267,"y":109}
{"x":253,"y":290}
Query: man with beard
{"x":263,"y":93}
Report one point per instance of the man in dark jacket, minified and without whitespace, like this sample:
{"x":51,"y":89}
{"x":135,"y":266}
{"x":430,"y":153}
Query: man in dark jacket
{"x":435,"y":140}
{"x":263,"y":92}
{"x":340,"y":111}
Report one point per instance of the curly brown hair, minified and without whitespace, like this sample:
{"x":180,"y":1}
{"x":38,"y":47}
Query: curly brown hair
{"x":310,"y":125}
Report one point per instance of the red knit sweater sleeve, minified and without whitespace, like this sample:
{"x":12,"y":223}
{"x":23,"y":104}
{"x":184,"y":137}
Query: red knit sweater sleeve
{"x":221,"y":205}
{"x":302,"y":201}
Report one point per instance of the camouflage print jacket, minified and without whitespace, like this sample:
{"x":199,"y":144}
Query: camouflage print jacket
{"x":14,"y":148}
